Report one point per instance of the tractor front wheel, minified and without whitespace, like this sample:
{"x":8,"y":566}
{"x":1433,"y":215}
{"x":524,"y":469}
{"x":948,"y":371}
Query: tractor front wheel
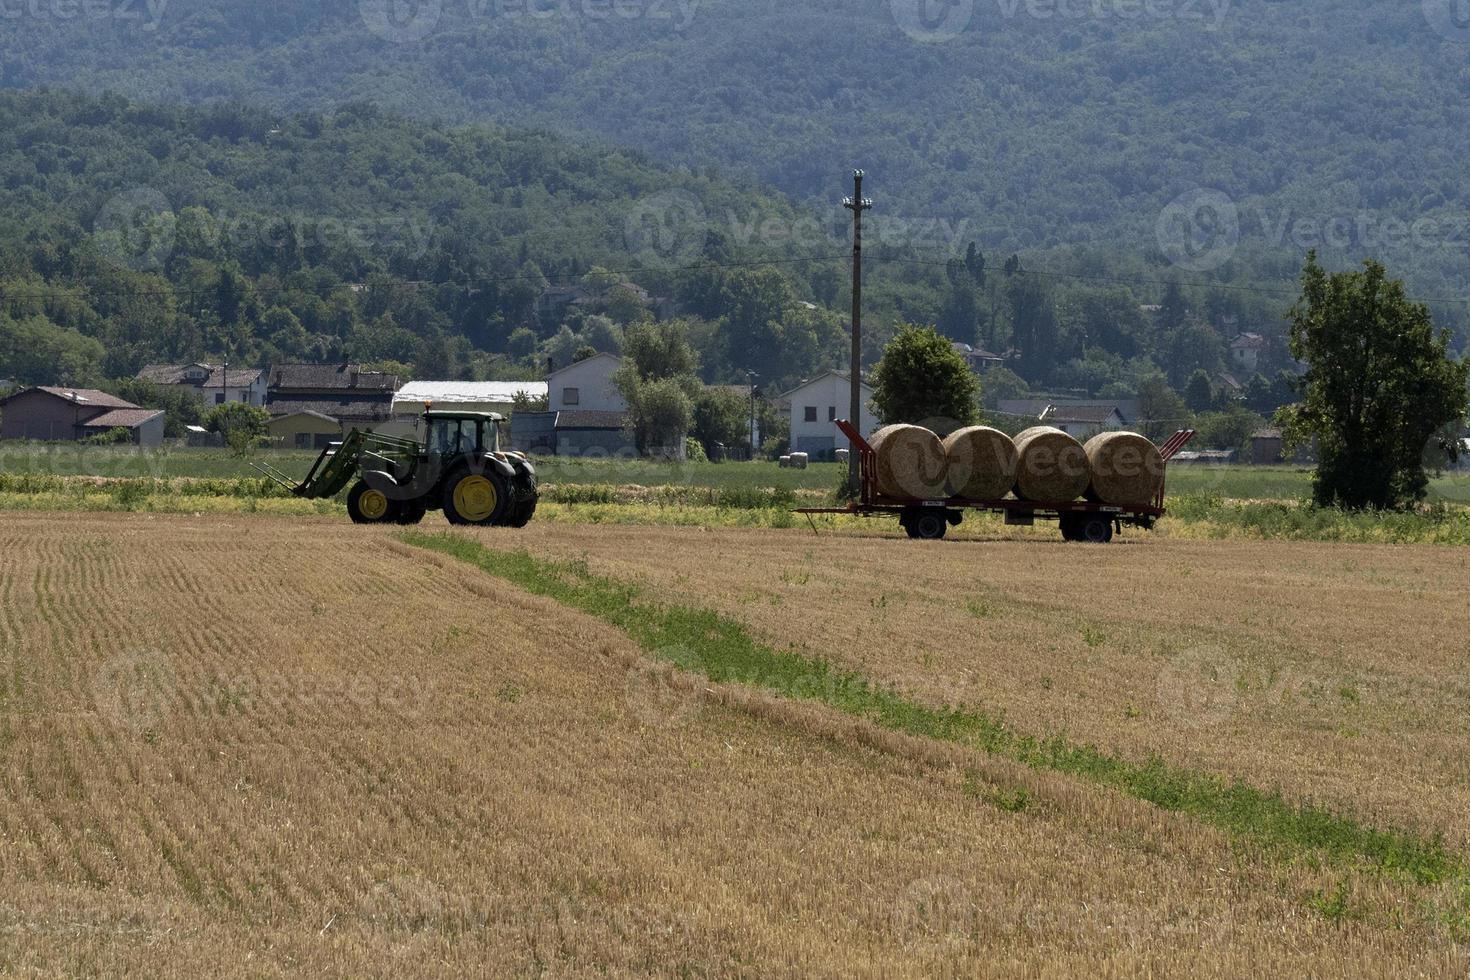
{"x":472,"y":497}
{"x":368,"y":506}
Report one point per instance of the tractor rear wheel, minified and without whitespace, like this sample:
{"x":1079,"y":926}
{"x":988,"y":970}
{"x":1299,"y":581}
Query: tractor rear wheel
{"x":472,"y":497}
{"x":368,"y":506}
{"x":521,"y":514}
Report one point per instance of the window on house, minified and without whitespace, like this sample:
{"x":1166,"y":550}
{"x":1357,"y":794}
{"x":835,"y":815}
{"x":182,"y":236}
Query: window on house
{"x":571,"y":396}
{"x":219,"y":397}
{"x":809,"y":414}
{"x":831,"y":413}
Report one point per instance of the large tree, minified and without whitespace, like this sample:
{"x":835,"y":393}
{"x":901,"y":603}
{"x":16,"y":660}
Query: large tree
{"x":1380,"y":383}
{"x":922,"y":378}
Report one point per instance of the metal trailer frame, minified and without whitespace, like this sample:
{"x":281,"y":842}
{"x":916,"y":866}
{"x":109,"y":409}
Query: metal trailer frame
{"x":1088,"y":520}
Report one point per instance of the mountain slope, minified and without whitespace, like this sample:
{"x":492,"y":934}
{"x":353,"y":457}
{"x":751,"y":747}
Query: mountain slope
{"x":1038,"y":128}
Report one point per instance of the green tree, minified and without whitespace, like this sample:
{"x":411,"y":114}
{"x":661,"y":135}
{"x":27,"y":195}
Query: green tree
{"x":659,"y":380}
{"x":1380,"y":383}
{"x":1162,"y":409}
{"x":721,"y":415}
{"x":922,"y":378}
{"x":242,"y":425}
{"x":1199,"y":394}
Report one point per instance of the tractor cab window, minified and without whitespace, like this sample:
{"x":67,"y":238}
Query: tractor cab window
{"x":451,"y":437}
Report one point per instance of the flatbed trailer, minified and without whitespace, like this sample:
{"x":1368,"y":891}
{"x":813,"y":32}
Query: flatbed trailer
{"x":1079,"y":520}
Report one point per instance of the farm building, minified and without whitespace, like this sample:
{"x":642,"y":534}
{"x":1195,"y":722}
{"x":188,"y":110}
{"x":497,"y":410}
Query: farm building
{"x":586,"y":386}
{"x":1034,"y":408}
{"x":464,"y":396}
{"x":71,"y":414}
{"x":213,"y":384}
{"x":589,"y":433}
{"x":324,"y":394}
{"x":816,"y":405}
{"x":1266,"y":447}
{"x":304,"y":429}
{"x":1245,"y":352}
{"x":1082,"y":422}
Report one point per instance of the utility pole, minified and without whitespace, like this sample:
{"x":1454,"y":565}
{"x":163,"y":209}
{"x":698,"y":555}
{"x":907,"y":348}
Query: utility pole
{"x":857,"y":204}
{"x":750,"y":377}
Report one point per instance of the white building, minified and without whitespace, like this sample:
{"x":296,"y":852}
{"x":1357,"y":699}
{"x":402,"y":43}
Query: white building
{"x":464,"y":396}
{"x":586,"y":386}
{"x":213,"y":384}
{"x":816,"y":405}
{"x":1245,"y":352}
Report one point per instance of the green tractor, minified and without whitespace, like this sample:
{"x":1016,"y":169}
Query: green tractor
{"x":459,"y":468}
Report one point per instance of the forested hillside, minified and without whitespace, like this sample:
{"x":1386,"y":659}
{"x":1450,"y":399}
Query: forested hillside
{"x":1039,"y":125}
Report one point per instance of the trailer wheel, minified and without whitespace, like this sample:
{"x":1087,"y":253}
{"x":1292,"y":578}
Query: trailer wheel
{"x":368,"y":506}
{"x":926,"y":524}
{"x":1095,"y":529}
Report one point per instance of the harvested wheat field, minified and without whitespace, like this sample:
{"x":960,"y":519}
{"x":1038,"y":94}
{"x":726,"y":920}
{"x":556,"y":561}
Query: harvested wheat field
{"x":285,"y":747}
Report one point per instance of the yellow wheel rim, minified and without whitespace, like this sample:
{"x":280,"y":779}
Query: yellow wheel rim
{"x":475,"y":498}
{"x":373,"y":504}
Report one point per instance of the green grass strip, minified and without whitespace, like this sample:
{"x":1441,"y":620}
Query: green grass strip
{"x":721,"y":649}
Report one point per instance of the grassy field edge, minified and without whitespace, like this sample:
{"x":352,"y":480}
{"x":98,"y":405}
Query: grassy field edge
{"x":717,"y":647}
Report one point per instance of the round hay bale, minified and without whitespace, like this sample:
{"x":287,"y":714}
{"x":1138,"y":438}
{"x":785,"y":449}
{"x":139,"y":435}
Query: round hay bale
{"x":910,"y":462}
{"x":1051,"y":466}
{"x":784,"y":462}
{"x":1127,"y":469}
{"x":982,"y":463}
{"x":799,"y":461}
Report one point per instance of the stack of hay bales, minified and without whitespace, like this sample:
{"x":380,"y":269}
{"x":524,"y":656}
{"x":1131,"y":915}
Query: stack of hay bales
{"x":1127,"y":470}
{"x":910,"y":462}
{"x":1043,"y":464}
{"x":981,"y":462}
{"x":1051,"y":466}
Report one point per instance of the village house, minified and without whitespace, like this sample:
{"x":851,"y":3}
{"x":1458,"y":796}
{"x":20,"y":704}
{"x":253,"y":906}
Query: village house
{"x":213,"y":384}
{"x":816,"y":405}
{"x":1245,"y":352}
{"x":71,"y":414}
{"x":311,"y":405}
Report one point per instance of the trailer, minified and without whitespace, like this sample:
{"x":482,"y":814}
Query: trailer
{"x":1080,"y":520}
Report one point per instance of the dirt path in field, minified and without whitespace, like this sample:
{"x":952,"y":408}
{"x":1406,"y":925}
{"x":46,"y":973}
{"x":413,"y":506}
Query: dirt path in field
{"x":293,"y":747}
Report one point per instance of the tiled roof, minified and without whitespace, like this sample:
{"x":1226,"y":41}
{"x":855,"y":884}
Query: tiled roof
{"x":371,"y":409}
{"x":173,"y":374}
{"x":1079,"y":413}
{"x":122,"y":418}
{"x":591,"y":420}
{"x":318,"y":376}
{"x":87,"y":396}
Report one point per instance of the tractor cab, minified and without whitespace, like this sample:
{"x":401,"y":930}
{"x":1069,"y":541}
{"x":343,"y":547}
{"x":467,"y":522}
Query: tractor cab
{"x":462,"y":433}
